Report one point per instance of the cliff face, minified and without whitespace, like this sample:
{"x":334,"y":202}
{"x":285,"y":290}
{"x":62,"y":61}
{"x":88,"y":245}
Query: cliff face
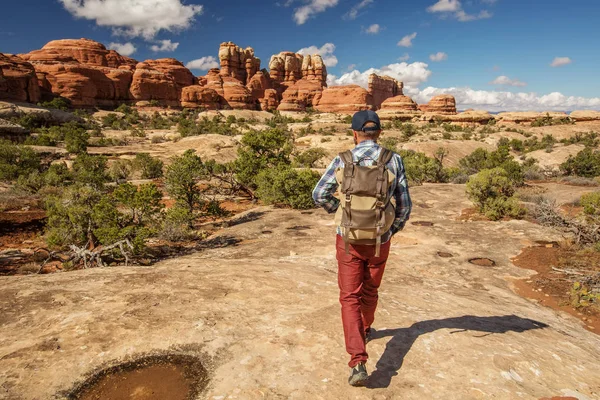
{"x":90,"y":75}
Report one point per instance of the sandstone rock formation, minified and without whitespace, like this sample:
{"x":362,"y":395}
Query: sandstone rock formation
{"x":344,"y":99}
{"x":400,"y":103}
{"x":382,"y":88}
{"x":89,"y":75}
{"x":528,"y":116}
{"x":442,"y":104}
{"x":47,"y":116}
{"x":238,"y":63}
{"x":18,"y":80}
{"x":12,"y":131}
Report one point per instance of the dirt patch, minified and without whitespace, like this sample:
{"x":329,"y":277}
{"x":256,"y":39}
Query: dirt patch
{"x":444,"y":254}
{"x":20,"y":235}
{"x":176,"y":377}
{"x":422,"y":223}
{"x":557,"y":271}
{"x":471,"y":214}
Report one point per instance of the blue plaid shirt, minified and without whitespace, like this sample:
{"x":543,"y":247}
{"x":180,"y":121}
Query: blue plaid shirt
{"x":367,"y":153}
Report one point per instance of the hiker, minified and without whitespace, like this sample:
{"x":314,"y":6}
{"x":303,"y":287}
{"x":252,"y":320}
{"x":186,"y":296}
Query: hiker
{"x":373,"y":205}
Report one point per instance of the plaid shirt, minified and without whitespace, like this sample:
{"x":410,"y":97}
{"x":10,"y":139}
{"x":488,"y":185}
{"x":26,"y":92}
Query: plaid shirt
{"x":366,"y":153}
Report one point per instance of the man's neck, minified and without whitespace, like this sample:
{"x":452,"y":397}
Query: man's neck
{"x":359,"y":141}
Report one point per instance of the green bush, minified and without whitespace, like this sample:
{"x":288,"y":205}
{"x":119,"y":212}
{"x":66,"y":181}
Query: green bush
{"x":482,"y":159}
{"x":586,"y":163}
{"x":176,"y":224}
{"x":181,"y":180}
{"x":283,"y":185}
{"x":261,"y":150}
{"x":279,"y":120}
{"x":421,"y":169}
{"x":591,"y":206}
{"x":308,"y":158}
{"x":90,"y":170}
{"x":120,"y":170}
{"x":17,"y":160}
{"x":116,"y":122}
{"x":76,"y":140}
{"x":58,"y":103}
{"x":589,"y":139}
{"x":149,"y":167}
{"x":547,"y":120}
{"x":492,"y":190}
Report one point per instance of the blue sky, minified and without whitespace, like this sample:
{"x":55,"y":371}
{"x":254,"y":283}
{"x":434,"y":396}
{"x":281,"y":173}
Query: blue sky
{"x":510,"y":42}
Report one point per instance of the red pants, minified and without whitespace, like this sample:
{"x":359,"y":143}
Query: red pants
{"x":359,"y":277}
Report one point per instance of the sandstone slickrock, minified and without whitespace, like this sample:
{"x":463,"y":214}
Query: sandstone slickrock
{"x":18,"y":80}
{"x":442,"y":104}
{"x":12,"y":131}
{"x":585,"y":115}
{"x":48,"y":116}
{"x":400,"y":103}
{"x":528,"y":116}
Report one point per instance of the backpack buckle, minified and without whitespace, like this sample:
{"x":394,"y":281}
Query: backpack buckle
{"x":379,"y":204}
{"x":348,"y":198}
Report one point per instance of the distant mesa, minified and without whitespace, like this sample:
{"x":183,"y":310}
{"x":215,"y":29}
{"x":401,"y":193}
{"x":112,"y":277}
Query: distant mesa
{"x":90,"y":75}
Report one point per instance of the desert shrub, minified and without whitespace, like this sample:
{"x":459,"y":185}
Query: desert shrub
{"x":149,"y":167}
{"x":16,"y":160}
{"x":76,"y":140}
{"x":482,"y":159}
{"x":390,"y":143}
{"x":286,"y":186}
{"x":260,"y":150}
{"x":591,"y":206}
{"x":279,"y":119}
{"x":116,"y":122}
{"x":547,"y":120}
{"x":31,"y":183}
{"x":492,"y":190}
{"x":90,"y":170}
{"x":57,"y":175}
{"x":142,"y":205}
{"x":157,"y":121}
{"x":176,"y":225}
{"x":58,"y":103}
{"x":308,"y":158}
{"x":448,"y":127}
{"x":137,"y":131}
{"x":588,"y":139}
{"x":181,"y":179}
{"x":586,"y":163}
{"x":421,"y":169}
{"x":190,"y":126}
{"x":120,"y":170}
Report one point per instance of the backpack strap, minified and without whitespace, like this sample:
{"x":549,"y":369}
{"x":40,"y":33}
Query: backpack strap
{"x":346,"y":157}
{"x":385,"y":157}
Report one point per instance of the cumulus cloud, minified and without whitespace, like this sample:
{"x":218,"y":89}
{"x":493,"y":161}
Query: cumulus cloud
{"x":164,"y":45}
{"x":325,"y":51}
{"x":445,"y":6}
{"x":454,"y":8}
{"x":406,"y":41}
{"x":353,"y":13}
{"x":373,"y":29}
{"x":302,"y":14}
{"x":561,"y":61}
{"x":203,"y":64}
{"x":135,"y":18}
{"x":506,"y":81}
{"x":411,"y":74}
{"x":439,"y":56}
{"x":125,"y":49}
{"x":507,"y":101}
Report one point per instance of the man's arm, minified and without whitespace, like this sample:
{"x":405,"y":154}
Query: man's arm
{"x":326,"y":187}
{"x":403,"y":201}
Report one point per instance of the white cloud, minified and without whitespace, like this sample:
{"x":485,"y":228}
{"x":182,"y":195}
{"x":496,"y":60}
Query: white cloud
{"x":507,"y":101}
{"x":464,"y":17}
{"x":561,"y":61}
{"x":454,"y":7}
{"x":353,"y":13}
{"x":325,"y":51}
{"x":445,"y":6}
{"x":406,"y":41}
{"x":506,"y":81}
{"x":165,"y":45}
{"x":302,"y":14}
{"x":373,"y":29}
{"x":439,"y":56}
{"x":203,"y":64}
{"x":411,"y":74}
{"x":489,"y":1}
{"x":351,"y":67}
{"x":125,"y":49}
{"x":405,"y":57}
{"x":136,"y":18}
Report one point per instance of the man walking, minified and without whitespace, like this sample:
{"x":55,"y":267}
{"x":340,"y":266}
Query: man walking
{"x":374,"y":204}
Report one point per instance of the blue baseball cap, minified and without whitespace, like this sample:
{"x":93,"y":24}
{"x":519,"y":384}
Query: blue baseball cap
{"x":362,"y":117}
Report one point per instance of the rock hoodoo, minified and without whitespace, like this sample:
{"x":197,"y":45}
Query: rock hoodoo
{"x":90,"y":75}
{"x":442,"y":104}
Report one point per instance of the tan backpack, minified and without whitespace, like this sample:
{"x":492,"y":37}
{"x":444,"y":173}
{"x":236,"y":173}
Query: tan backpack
{"x":366,"y":211}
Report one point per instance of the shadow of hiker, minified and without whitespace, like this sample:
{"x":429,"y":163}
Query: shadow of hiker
{"x":403,"y":338}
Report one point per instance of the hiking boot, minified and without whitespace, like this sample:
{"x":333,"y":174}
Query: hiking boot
{"x":358,"y":375}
